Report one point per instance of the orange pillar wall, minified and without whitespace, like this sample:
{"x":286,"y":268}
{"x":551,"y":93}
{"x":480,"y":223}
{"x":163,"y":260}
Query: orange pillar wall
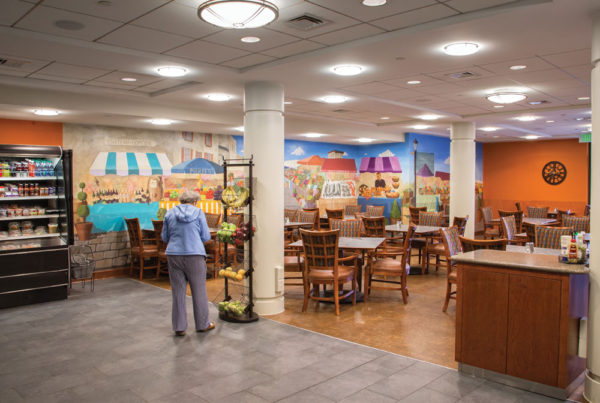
{"x":513,"y":172}
{"x":31,"y":132}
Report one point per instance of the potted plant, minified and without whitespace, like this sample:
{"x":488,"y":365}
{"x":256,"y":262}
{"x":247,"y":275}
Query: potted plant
{"x":84,"y":228}
{"x":395,"y":213}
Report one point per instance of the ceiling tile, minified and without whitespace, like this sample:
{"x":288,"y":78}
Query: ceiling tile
{"x":337,"y":21}
{"x":471,"y":5}
{"x":403,"y":81}
{"x":116,"y":76}
{"x":567,"y":59}
{"x":188,"y":23}
{"x":370,"y":88}
{"x":16,"y":64}
{"x":361,"y":12}
{"x":293,"y":49}
{"x":14,"y":73}
{"x":58,"y":78}
{"x":207,"y":52}
{"x":247,"y":61}
{"x":446,"y":75}
{"x":12,"y":10}
{"x":161,"y":85}
{"x":71,"y":71}
{"x":583,"y":72}
{"x":532,"y":63}
{"x":42,"y":19}
{"x":121,"y":10}
{"x":145,"y":39}
{"x":95,"y":83}
{"x":347,"y":34}
{"x":414,"y":17}
{"x":400,"y":94}
{"x":268,"y":39}
{"x":527,"y":78}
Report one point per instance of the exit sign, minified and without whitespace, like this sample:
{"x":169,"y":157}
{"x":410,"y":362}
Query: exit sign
{"x":585,"y":138}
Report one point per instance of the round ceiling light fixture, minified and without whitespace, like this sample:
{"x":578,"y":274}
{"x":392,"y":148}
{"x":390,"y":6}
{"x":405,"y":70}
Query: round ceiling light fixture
{"x":583,"y":98}
{"x":171,"y":71}
{"x":161,"y":122}
{"x":46,"y":112}
{"x":489,"y":129}
{"x":506,"y":97}
{"x":413,"y":82}
{"x":238,"y":14}
{"x":129,"y":79}
{"x":217,"y":97}
{"x":526,"y":118}
{"x":250,"y":39}
{"x":530,"y":137}
{"x":314,"y":135}
{"x":347,"y":69}
{"x":334,"y":99}
{"x":517,"y":67}
{"x":428,"y":116}
{"x":373,"y":3}
{"x":420,"y":127}
{"x":364,"y":140}
{"x":385,"y":118}
{"x":461,"y":48}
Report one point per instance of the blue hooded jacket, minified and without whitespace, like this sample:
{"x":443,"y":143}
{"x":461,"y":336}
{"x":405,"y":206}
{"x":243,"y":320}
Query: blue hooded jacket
{"x":185,"y":230}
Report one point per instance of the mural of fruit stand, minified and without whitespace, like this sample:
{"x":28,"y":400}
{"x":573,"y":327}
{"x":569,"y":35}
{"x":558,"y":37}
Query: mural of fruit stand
{"x":306,"y":181}
{"x":339,"y":188}
{"x":374,"y":169}
{"x":124,"y":184}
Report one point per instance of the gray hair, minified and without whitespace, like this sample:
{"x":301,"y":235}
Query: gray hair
{"x":189,"y":197}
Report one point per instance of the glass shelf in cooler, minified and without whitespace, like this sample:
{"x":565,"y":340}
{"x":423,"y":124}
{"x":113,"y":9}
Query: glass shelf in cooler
{"x":29,"y":217}
{"x":18,"y":244}
{"x":18,"y":198}
{"x":22,"y":237}
{"x":27,"y":178}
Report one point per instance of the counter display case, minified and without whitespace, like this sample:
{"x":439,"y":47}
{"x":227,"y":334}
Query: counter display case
{"x":36,"y":223}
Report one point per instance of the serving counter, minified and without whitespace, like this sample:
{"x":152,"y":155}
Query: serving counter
{"x":517,"y":319}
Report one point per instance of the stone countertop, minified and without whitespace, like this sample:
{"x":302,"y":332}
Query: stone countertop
{"x":518,"y":260}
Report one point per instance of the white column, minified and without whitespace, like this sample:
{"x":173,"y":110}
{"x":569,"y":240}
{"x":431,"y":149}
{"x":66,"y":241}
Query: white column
{"x":592,"y":379}
{"x":263,"y":138}
{"x":462,"y":174}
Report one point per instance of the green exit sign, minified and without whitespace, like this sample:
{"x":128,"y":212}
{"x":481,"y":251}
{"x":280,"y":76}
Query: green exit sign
{"x":585,"y":138}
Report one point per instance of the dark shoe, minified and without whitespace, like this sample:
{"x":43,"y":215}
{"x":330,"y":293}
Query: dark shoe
{"x":210,"y":327}
{"x":180,"y":333}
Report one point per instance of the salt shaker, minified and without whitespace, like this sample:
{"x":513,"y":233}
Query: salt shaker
{"x":529,"y":247}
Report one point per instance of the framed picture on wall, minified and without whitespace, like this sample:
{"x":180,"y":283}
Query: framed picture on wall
{"x":208,"y":139}
{"x":188,"y":136}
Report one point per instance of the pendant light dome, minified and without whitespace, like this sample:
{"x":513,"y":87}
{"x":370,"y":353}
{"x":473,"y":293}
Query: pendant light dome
{"x":238,"y":14}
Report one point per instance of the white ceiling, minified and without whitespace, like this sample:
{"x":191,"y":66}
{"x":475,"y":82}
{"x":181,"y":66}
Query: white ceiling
{"x":79,"y":70}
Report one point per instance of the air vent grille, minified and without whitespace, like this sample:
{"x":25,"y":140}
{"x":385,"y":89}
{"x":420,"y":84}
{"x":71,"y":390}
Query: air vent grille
{"x":13,"y":63}
{"x":307,"y":22}
{"x":462,"y":74}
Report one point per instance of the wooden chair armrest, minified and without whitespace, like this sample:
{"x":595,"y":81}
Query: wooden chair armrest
{"x":348,"y":258}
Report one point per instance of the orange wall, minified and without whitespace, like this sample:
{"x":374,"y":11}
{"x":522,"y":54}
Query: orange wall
{"x":513,"y":172}
{"x":30,"y":132}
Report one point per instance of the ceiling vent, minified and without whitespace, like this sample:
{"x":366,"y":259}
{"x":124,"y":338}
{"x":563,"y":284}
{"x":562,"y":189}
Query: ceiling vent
{"x":307,"y":22}
{"x":462,"y":74}
{"x":342,"y":110}
{"x":13,"y":63}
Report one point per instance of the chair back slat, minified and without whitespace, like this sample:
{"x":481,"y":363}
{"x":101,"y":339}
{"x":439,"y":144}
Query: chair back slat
{"x":135,"y":233}
{"x":414,"y":214}
{"x":430,"y":218}
{"x":335,"y":213}
{"x":461,"y":223}
{"x":486,"y":213}
{"x":308,"y":217}
{"x":351,"y":209}
{"x":509,"y":226}
{"x":549,"y":237}
{"x":518,"y":218}
{"x":469,"y":244}
{"x":374,"y":226}
{"x":212,"y":220}
{"x":537,"y":212}
{"x":320,"y":249}
{"x":290,"y":214}
{"x":348,"y":228}
{"x":451,"y":240}
{"x":577,"y":224}
{"x":158,"y":226}
{"x":374,"y":211}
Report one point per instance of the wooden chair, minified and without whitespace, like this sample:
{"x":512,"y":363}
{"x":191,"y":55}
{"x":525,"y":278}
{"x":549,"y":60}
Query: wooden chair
{"x":374,"y":226}
{"x":518,"y":219}
{"x":351,"y":209}
{"x":518,"y":206}
{"x":510,"y":231}
{"x":469,"y":245}
{"x":308,"y":217}
{"x":577,"y":224}
{"x":293,"y":266}
{"x":385,"y":263}
{"x":348,"y":228}
{"x":586,"y":212}
{"x":428,"y":218}
{"x":332,"y":213}
{"x":560,"y":214}
{"x":374,"y":211}
{"x":549,"y":237}
{"x":414,"y":214}
{"x":161,"y":246}
{"x":435,"y":246}
{"x":236,"y":218}
{"x":451,"y":240}
{"x":490,"y":230}
{"x":212,"y":220}
{"x":141,"y":248}
{"x":290,"y":214}
{"x":322,"y":267}
{"x":211,"y":247}
{"x":316,"y":219}
{"x":537,"y":212}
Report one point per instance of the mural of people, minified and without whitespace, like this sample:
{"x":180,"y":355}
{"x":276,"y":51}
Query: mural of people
{"x":379,"y":183}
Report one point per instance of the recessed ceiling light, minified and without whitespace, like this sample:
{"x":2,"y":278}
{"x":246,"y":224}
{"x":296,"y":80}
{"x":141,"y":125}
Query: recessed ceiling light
{"x":498,"y":106}
{"x":489,"y":129}
{"x":530,"y":137}
{"x":420,"y":127}
{"x":69,"y":25}
{"x":104,"y":3}
{"x":217,"y":97}
{"x":364,"y":140}
{"x":506,"y":97}
{"x":518,"y":67}
{"x":313,"y":135}
{"x":161,"y":122}
{"x":429,"y":117}
{"x":374,"y":3}
{"x":288,"y":103}
{"x":549,"y":121}
{"x":526,"y":118}
{"x":461,"y":48}
{"x":250,"y":39}
{"x":239,"y":129}
{"x":347,"y":69}
{"x":579,"y":119}
{"x":46,"y":112}
{"x":238,"y":14}
{"x":583,"y":98}
{"x":413,"y":82}
{"x":385,"y":118}
{"x":495,"y":137}
{"x":171,"y":71}
{"x":129,"y":79}
{"x":537,"y":102}
{"x":334,"y":99}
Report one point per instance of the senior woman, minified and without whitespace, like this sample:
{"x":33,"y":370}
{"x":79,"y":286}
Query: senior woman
{"x":185,"y":231}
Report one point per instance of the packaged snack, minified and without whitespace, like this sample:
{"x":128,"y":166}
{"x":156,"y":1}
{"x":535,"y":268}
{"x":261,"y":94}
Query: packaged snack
{"x":52,"y":228}
{"x":39,"y":230}
{"x":3,"y":212}
{"x":26,"y":212}
{"x":26,"y":225}
{"x":41,"y":211}
{"x":10,"y":212}
{"x":12,"y":226}
{"x":18,"y":212}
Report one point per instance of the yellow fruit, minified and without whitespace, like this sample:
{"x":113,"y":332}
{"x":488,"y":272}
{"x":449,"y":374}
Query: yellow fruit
{"x":229,"y":269}
{"x":242,"y":272}
{"x":239,"y":277}
{"x":221,"y":272}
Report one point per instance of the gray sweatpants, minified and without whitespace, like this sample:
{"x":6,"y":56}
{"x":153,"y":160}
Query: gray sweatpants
{"x":192,"y":269}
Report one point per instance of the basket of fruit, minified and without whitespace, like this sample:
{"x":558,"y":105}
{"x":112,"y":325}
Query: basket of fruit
{"x":225,"y":234}
{"x":234,"y":308}
{"x":231,"y":274}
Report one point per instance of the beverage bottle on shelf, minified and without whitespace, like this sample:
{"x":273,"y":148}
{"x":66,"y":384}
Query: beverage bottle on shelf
{"x":13,"y":169}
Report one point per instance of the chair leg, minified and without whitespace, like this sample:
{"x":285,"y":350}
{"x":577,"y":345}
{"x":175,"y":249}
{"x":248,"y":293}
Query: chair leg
{"x":157,"y":268}
{"x":366,"y":284}
{"x":141,"y":267}
{"x":448,"y":293}
{"x":437,"y":262}
{"x":354,"y":290}
{"x":404,"y":289}
{"x":306,"y":292}
{"x":336,"y":298}
{"x":131,"y":264}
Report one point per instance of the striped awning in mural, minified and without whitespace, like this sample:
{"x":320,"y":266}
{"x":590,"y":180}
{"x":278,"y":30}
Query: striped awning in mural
{"x":124,"y":164}
{"x":380,"y":164}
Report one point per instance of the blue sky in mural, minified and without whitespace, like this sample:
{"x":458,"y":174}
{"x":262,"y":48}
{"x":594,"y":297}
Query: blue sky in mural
{"x":239,"y":144}
{"x":297,"y":149}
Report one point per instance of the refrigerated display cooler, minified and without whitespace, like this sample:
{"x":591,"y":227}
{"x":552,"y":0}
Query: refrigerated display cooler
{"x":36,"y":223}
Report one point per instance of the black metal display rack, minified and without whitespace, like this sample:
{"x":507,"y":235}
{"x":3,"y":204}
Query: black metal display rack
{"x":249,"y":315}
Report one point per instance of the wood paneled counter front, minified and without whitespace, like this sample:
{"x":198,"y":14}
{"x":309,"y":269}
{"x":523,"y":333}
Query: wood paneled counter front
{"x":517,"y":315}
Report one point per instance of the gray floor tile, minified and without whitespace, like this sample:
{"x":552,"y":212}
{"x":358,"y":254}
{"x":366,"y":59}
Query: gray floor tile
{"x":346,"y":384}
{"x":455,"y":384}
{"x":389,"y":364}
{"x":230,"y":384}
{"x":181,"y":397}
{"x":425,"y":395}
{"x":288,"y":384}
{"x":242,"y":397}
{"x":306,"y":396}
{"x":365,"y":396}
{"x":408,"y":380}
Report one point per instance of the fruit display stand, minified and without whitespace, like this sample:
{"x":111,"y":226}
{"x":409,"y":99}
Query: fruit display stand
{"x":237,"y":304}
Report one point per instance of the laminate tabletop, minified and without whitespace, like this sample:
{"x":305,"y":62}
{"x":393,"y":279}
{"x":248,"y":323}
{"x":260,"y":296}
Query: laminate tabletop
{"x":365,"y":243}
{"x":420,"y":229}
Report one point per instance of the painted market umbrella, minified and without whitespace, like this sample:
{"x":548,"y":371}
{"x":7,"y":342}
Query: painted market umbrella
{"x":312,"y":160}
{"x":380,"y":164}
{"x":197,"y":166}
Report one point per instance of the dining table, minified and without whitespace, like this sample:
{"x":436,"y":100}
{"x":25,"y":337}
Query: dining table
{"x":297,"y":224}
{"x":531,"y":221}
{"x":424,"y":230}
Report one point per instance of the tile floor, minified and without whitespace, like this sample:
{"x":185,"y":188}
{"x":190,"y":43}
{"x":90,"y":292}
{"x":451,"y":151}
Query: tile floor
{"x":116,"y":345}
